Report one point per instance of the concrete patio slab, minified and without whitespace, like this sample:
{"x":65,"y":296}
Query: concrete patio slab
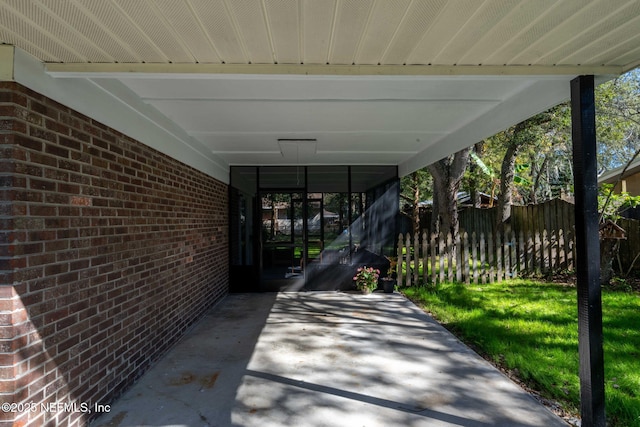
{"x":323,"y":359}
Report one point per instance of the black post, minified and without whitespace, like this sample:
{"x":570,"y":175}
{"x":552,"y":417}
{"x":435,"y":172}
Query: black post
{"x":588,"y":252}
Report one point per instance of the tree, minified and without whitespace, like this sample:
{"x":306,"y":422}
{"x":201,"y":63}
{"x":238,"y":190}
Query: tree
{"x":447,"y":175}
{"x":415,"y":186}
{"x":538,"y":133}
{"x":618,"y":120}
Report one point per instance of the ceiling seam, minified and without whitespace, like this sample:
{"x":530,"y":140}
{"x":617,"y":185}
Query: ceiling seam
{"x":319,"y":100}
{"x":333,"y":30}
{"x":515,"y":37}
{"x":236,"y":29}
{"x":493,"y":26}
{"x":381,"y":59}
{"x":600,"y":53}
{"x":140,"y":30}
{"x":27,"y":44}
{"x":265,"y":19}
{"x":462,"y":27}
{"x":176,"y":35}
{"x":363,"y":34}
{"x":203,"y":29}
{"x":445,"y":45}
{"x":577,"y":35}
{"x":301,"y":32}
{"x":78,"y":34}
{"x":113,"y":36}
{"x":549,"y":12}
{"x":49,"y":36}
{"x":424,"y":33}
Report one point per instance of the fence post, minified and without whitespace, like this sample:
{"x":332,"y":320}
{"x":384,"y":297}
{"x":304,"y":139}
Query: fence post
{"x":474,"y":253}
{"x":521,"y":255}
{"x":506,"y":253}
{"x":441,"y":256}
{"x":408,"y":250}
{"x":416,"y":258}
{"x":483,"y":266}
{"x":432,"y":244}
{"x":536,"y":251}
{"x":458,"y":264}
{"x":514,"y":258}
{"x":498,"y":251}
{"x":490,"y":256}
{"x":465,"y":258}
{"x":425,"y":258}
{"x":400,"y":258}
{"x":562,"y":254}
{"x":449,"y":258}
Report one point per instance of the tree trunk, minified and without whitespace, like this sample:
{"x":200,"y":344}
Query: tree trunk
{"x":537,"y":173}
{"x":416,"y":202}
{"x":447,"y":175}
{"x":505,"y":198}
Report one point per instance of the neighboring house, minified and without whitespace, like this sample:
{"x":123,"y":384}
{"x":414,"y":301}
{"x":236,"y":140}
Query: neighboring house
{"x":628,"y":182}
{"x":137,"y":138}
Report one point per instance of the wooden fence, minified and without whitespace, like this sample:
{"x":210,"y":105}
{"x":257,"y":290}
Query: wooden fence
{"x":553,"y":219}
{"x":482,"y":258}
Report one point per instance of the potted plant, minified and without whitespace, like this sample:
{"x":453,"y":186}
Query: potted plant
{"x":366,"y":279}
{"x":389,"y":281}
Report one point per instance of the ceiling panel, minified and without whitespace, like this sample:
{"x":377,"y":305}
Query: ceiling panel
{"x":25,"y":23}
{"x":152,"y":24}
{"x":439,"y":23}
{"x":498,"y":41}
{"x":189,"y":30}
{"x":122,"y":27}
{"x":441,"y":32}
{"x":385,"y":19}
{"x":220,"y":30}
{"x":301,"y":116}
{"x":485,"y":17}
{"x":251,"y":25}
{"x":350,"y":24}
{"x":317,"y":28}
{"x":283,"y":19}
{"x":400,"y":82}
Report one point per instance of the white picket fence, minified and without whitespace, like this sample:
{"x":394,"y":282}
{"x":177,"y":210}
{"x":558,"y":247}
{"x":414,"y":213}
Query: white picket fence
{"x":482,"y":258}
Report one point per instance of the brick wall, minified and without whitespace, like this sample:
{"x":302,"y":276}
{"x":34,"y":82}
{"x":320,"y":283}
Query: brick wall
{"x":109,"y":250}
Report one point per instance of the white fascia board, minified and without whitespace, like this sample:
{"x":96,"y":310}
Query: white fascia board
{"x":202,"y":70}
{"x":122,"y":111}
{"x":6,"y":63}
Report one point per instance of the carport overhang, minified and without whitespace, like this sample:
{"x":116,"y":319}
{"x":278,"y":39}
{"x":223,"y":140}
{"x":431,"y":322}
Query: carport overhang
{"x":212,"y":117}
{"x":216,"y":84}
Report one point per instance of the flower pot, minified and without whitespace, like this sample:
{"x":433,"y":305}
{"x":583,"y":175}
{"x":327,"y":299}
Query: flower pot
{"x":388,"y":285}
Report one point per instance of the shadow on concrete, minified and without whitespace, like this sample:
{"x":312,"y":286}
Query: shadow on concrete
{"x":324,"y":359}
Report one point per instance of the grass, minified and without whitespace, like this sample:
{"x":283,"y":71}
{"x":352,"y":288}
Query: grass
{"x":530,"y":329}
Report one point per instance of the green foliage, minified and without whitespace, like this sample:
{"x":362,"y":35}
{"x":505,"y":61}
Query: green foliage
{"x":611,"y":204}
{"x":618,"y":119}
{"x":544,"y":150}
{"x":531,"y":330}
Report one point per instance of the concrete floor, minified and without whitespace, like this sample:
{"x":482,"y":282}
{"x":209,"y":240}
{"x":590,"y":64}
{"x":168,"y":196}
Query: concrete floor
{"x":323,"y":359}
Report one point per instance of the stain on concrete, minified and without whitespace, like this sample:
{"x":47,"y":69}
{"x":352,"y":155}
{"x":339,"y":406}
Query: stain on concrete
{"x":184,"y":379}
{"x":205,"y":381}
{"x":208,"y":381}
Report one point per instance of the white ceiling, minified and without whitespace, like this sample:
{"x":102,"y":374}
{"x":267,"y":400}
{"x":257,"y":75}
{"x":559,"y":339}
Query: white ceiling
{"x":400,"y":82}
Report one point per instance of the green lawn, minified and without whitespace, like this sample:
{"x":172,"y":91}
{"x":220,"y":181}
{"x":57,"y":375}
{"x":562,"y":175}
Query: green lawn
{"x":531,"y":328}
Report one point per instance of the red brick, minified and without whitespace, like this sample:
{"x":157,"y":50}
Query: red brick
{"x":98,"y":268}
